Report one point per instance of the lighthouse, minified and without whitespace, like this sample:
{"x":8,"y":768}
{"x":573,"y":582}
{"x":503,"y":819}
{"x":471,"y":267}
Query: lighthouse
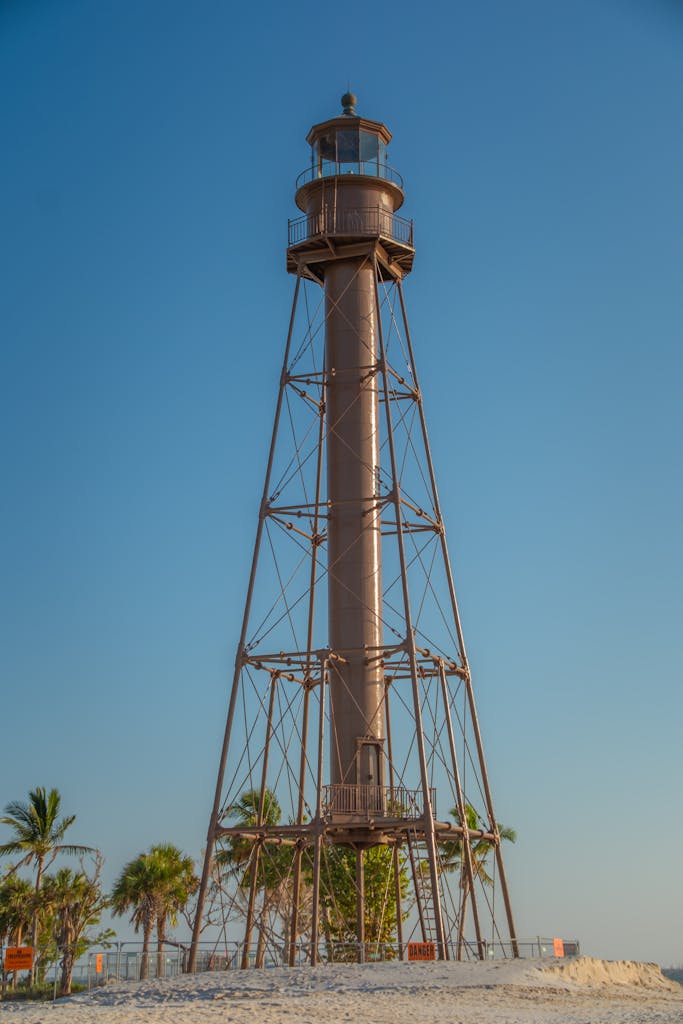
{"x":351,"y":724}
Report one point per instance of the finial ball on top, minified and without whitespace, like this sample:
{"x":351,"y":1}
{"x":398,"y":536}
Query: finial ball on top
{"x":349,"y":103}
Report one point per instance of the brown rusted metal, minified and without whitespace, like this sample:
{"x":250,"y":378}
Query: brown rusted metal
{"x":360,"y":903}
{"x":296,"y":895}
{"x":462,"y":814}
{"x":256,"y":853}
{"x":318,"y":818}
{"x":354,"y":543}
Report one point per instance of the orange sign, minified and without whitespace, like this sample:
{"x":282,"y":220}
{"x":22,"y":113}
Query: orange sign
{"x":98,"y":963}
{"x":558,"y":946}
{"x":421,"y":951}
{"x":19,"y":958}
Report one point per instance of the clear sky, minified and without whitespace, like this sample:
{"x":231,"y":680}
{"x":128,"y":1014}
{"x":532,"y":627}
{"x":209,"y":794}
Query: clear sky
{"x":149,"y":158}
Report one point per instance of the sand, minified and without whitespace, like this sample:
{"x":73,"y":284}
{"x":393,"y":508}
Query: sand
{"x":582,"y":991}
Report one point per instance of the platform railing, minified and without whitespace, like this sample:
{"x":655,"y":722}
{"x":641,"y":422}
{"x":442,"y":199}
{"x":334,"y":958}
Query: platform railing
{"x":376,"y":801}
{"x":354,"y":222}
{"x":333,"y":169}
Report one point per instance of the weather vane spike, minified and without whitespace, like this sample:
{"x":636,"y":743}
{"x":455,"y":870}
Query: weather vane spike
{"x":348,"y":102}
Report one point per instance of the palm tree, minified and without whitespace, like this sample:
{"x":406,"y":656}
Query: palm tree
{"x":177,"y":882}
{"x":38,"y":836}
{"x":154,"y":887}
{"x":453,"y":856}
{"x":137,"y":889}
{"x":238,"y":854}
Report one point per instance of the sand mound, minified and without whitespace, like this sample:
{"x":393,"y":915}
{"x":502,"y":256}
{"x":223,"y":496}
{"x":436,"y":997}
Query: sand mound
{"x":513,"y":991}
{"x":587,"y":971}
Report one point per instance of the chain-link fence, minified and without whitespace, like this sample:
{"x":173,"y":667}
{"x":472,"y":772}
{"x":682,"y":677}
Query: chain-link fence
{"x":127,"y":962}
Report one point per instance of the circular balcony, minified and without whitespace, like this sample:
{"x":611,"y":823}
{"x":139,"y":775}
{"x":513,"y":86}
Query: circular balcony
{"x":367,"y":168}
{"x":358,"y":222}
{"x":309,"y":236}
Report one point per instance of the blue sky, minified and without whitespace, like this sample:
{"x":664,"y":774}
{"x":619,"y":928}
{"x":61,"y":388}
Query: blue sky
{"x":149,"y":159}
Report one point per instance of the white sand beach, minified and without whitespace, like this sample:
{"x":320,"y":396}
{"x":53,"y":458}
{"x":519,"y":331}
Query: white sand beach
{"x":583,"y":991}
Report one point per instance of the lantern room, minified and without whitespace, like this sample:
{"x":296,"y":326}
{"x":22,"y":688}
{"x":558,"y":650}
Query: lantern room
{"x":349,"y":145}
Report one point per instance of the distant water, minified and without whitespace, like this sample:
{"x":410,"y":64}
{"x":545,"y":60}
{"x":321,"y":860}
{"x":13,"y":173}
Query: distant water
{"x":674,"y":973}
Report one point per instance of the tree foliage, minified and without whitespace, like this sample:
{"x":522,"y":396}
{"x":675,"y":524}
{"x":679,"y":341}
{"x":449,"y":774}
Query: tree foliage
{"x":16,"y":909}
{"x":154,"y":888}
{"x":452,"y":850}
{"x":453,"y":859}
{"x":338,"y":892}
{"x":38,"y":838}
{"x":268,"y":864}
{"x":72,"y":902}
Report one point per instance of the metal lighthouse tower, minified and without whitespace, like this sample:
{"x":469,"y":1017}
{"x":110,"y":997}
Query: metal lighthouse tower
{"x":353,"y":814}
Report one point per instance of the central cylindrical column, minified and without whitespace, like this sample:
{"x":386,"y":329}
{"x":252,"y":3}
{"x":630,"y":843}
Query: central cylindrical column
{"x":354,"y":539}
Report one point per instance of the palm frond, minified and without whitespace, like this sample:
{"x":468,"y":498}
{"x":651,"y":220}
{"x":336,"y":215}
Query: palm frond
{"x":17,"y":813}
{"x":9,"y":849}
{"x":74,"y":849}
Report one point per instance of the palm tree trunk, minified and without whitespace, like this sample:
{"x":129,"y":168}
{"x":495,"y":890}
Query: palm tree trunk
{"x":463,"y":915}
{"x":161,"y":939}
{"x":67,"y":973}
{"x":18,"y":936}
{"x":286,"y":934}
{"x":261,"y":944}
{"x":34,"y":929}
{"x":144,"y":960}
{"x":67,"y":963}
{"x":327,"y":931}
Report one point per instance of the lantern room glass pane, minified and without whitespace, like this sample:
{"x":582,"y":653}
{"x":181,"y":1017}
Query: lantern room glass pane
{"x":328,"y":147}
{"x":382,"y":155}
{"x":347,"y":147}
{"x":369,"y":152}
{"x":328,"y":154}
{"x":349,"y":151}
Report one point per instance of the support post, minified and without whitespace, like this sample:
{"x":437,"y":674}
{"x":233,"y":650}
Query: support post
{"x":315,"y":542}
{"x":315,"y":911}
{"x":396,"y":860}
{"x":462,"y":814}
{"x":360,"y":904}
{"x":256,"y":854}
{"x":215,"y":812}
{"x":428,"y":814}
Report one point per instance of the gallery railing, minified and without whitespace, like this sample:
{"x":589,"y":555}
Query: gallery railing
{"x":358,"y":222}
{"x":378,"y":801}
{"x":368,"y":168}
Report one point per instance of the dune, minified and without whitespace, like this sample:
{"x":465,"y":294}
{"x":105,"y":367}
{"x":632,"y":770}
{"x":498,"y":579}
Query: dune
{"x":590,"y":972}
{"x":582,"y":991}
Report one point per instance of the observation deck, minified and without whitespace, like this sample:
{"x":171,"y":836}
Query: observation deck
{"x":315,"y":231}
